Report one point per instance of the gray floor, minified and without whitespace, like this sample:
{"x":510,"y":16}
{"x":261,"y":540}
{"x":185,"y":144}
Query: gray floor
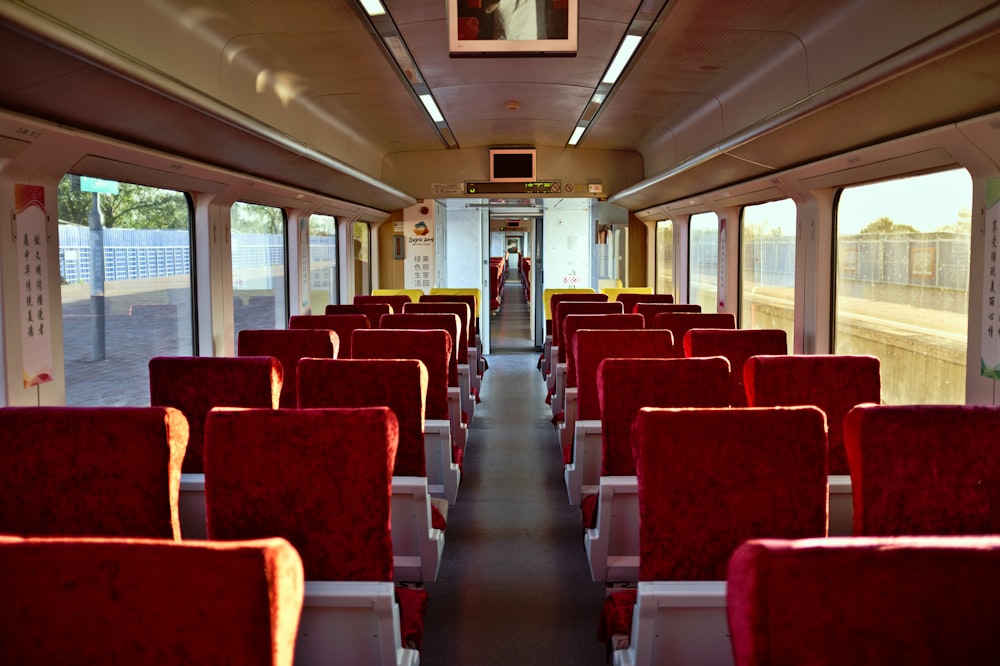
{"x":514,"y":586}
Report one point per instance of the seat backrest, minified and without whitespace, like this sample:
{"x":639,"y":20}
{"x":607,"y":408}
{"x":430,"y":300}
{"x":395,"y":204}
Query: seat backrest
{"x":578,"y":304}
{"x":614,"y":292}
{"x":709,"y":479}
{"x":575,"y":322}
{"x":625,"y":385}
{"x":320,"y":478}
{"x":547,"y":295}
{"x":373,"y":311}
{"x":650,"y":310}
{"x":629,"y":299}
{"x":414,"y":294}
{"x":834,"y":383}
{"x":288,"y":346}
{"x":924,"y":469}
{"x":395,"y":300}
{"x":737,"y":345}
{"x":461,"y":310}
{"x":865,"y":601}
{"x":427,"y":321}
{"x":196,"y":384}
{"x":98,"y":471}
{"x":399,"y":384}
{"x":432,"y":347}
{"x":593,"y":345}
{"x":471,"y":299}
{"x":341,"y":324}
{"x":679,"y":323}
{"x":147,"y":601}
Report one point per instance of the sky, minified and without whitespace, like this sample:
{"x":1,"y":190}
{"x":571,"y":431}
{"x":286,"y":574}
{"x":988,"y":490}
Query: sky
{"x":925,"y":202}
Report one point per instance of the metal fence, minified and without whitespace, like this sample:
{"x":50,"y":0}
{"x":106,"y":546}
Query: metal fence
{"x":138,"y":254}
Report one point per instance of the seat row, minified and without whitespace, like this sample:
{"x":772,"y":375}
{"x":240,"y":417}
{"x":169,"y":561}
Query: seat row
{"x":711,"y":479}
{"x":320,"y":479}
{"x":425,"y":477}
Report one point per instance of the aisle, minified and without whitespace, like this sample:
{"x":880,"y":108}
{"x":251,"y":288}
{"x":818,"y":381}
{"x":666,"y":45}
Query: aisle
{"x":514,"y":586}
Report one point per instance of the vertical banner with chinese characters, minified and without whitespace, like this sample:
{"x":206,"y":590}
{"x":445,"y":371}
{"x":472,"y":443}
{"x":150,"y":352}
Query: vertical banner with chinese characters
{"x":32,"y":251}
{"x":418,"y":230}
{"x":991,"y":283}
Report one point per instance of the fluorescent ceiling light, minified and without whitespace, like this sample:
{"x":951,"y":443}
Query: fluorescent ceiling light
{"x":577,"y":133}
{"x":432,"y":108}
{"x":625,"y":51}
{"x":373,"y":7}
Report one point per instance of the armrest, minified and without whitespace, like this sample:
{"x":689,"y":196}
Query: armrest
{"x":191,"y":507}
{"x":568,"y":427}
{"x":841,"y":511}
{"x":583,"y":475}
{"x":459,"y":431}
{"x":559,"y":391}
{"x":465,"y":385}
{"x":613,"y":546}
{"x":416,"y":546}
{"x":338,"y":618}
{"x":443,"y":475}
{"x":679,"y":622}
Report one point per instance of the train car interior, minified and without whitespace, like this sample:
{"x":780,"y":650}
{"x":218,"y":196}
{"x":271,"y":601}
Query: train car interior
{"x":174,"y":173}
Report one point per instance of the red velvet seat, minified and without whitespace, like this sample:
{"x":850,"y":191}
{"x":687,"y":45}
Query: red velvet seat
{"x":400,"y":385}
{"x":547,"y":363}
{"x":288,"y":346}
{"x":650,"y":310}
{"x":564,"y":402}
{"x":679,"y":323}
{"x":396,"y":301}
{"x":737,"y":345}
{"x":562,"y":308}
{"x":625,"y":385}
{"x":919,"y":601}
{"x":924,"y":469}
{"x":91,"y":471}
{"x":373,"y":311}
{"x":575,"y":322}
{"x":834,"y":383}
{"x":320,"y":478}
{"x":433,"y":347}
{"x":590,"y":347}
{"x":343,"y":325}
{"x":557,"y":365}
{"x":710,"y":479}
{"x":461,"y":310}
{"x":629,"y":300}
{"x":136,"y":601}
{"x":467,"y":370}
{"x":196,"y":384}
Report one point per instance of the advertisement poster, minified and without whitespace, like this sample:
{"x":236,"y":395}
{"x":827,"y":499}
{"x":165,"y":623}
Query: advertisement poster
{"x":418,"y":263}
{"x":32,"y":251}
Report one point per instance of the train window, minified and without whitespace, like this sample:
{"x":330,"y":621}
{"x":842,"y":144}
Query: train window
{"x":612,"y":255}
{"x":362,"y":258}
{"x":767,"y":266}
{"x":127,"y":287}
{"x":902,"y":288}
{"x":259,"y":261}
{"x":325,"y":284}
{"x":664,"y":257}
{"x":703,"y":283}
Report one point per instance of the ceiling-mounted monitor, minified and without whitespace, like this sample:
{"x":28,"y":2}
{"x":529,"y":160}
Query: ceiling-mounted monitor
{"x":512,"y":165}
{"x":509,"y":27}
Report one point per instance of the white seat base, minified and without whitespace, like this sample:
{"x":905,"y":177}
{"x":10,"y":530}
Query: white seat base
{"x":679,"y":622}
{"x":351,"y":623}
